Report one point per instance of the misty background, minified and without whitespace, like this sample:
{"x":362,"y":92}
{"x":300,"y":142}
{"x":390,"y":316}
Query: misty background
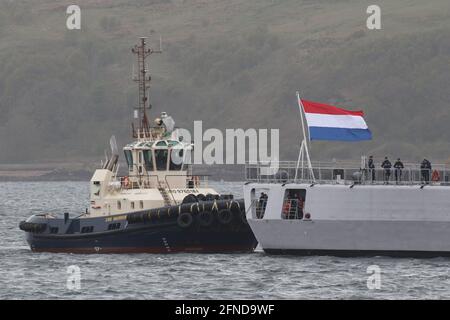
{"x":230,"y":63}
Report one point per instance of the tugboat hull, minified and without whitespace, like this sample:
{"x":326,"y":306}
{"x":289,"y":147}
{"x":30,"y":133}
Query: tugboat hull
{"x":170,"y":240}
{"x":163,"y":230}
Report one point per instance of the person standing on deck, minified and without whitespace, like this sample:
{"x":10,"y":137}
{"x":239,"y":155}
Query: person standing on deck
{"x":386,"y":165}
{"x":371,"y":168}
{"x":425,"y":170}
{"x":261,"y":208}
{"x":398,"y":165}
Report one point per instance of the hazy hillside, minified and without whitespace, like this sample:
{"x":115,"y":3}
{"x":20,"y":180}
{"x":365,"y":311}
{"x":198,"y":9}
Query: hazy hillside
{"x":230,"y":63}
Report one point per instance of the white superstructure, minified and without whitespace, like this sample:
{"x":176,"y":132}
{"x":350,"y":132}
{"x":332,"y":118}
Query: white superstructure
{"x":158,"y":161}
{"x":155,"y":178}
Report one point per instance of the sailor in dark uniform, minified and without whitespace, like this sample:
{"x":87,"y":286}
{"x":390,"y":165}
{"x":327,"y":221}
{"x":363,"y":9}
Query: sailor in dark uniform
{"x":371,"y":166}
{"x":386,"y":165}
{"x":398,"y":165}
{"x":425,"y":170}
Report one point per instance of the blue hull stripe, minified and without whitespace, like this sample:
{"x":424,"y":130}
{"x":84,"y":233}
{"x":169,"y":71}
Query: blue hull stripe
{"x":339,"y":134}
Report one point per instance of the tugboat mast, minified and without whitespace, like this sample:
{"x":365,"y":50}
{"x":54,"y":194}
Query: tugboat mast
{"x":143,"y":79}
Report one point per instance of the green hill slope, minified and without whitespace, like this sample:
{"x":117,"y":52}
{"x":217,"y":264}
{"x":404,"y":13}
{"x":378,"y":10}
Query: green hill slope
{"x":230,"y":63}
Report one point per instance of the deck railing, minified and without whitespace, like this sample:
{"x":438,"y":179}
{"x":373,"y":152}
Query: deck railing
{"x":346,"y":173}
{"x":167,"y":181}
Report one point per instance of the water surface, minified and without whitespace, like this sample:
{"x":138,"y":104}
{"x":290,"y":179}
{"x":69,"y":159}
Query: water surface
{"x":27,"y":275}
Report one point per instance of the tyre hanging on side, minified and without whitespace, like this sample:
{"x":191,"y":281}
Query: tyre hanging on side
{"x":225,"y":216}
{"x":205,"y":218}
{"x":190,"y":198}
{"x":201,"y":197}
{"x":185,"y":220}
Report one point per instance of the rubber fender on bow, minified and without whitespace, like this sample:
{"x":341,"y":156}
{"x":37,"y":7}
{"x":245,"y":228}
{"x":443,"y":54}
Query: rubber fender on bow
{"x":32,"y":227}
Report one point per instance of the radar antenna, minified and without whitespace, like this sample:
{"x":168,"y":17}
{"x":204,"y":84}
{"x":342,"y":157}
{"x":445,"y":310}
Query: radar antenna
{"x":143,"y":79}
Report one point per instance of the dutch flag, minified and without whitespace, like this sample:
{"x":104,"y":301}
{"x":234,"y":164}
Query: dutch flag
{"x":327,"y":122}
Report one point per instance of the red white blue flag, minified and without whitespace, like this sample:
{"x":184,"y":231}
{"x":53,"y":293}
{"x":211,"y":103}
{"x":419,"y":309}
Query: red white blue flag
{"x":327,"y":122}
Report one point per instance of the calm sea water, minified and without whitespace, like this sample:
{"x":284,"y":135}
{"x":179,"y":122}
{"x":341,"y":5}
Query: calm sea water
{"x":26,"y":275}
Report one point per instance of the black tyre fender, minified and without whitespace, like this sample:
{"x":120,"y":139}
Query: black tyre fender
{"x":205,"y":218}
{"x":209,"y":197}
{"x":243,"y":217}
{"x":225,"y":216}
{"x":201,"y":197}
{"x":195,"y":208}
{"x":235,"y":208}
{"x":152,"y":216}
{"x":185,"y":220}
{"x":32,"y":227}
{"x":190,"y":198}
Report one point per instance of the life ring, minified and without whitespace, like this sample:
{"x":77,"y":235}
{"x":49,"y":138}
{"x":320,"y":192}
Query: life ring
{"x":435,"y":176}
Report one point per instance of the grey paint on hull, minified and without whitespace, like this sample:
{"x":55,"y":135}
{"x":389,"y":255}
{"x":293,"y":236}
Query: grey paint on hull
{"x":352,"y":235}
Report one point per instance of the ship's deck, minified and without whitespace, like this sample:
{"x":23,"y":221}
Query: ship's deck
{"x":347,"y":173}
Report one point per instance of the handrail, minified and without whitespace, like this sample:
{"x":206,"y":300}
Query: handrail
{"x":187,"y":176}
{"x":158,"y":181}
{"x":138,"y":176}
{"x":340,"y":174}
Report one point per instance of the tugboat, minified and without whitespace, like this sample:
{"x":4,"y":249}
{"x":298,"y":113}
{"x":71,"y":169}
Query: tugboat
{"x":159,"y":207}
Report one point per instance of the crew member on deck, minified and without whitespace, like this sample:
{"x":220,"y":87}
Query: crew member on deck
{"x":386,"y":165}
{"x":398,"y":165}
{"x":262,"y":206}
{"x":371,"y":168}
{"x":425,"y":170}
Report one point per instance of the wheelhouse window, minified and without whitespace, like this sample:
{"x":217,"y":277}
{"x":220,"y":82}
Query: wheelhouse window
{"x":129,"y":158}
{"x":88,"y":229}
{"x":140,"y":162}
{"x":161,"y":159}
{"x":176,"y":159}
{"x":148,"y":160}
{"x":54,"y":230}
{"x":96,"y":188}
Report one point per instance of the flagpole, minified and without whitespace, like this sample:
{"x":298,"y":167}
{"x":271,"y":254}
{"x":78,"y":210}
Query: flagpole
{"x":304,"y":145}
{"x":300,"y":107}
